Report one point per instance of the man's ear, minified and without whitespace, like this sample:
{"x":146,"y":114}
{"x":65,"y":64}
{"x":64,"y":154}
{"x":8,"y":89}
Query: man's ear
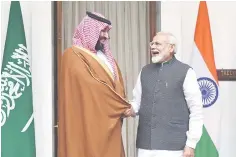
{"x":172,"y":47}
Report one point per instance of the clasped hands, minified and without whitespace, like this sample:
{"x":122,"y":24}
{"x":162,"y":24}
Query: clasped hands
{"x":129,"y":112}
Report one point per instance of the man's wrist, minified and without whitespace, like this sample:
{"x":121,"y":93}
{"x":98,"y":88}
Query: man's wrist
{"x":191,"y":144}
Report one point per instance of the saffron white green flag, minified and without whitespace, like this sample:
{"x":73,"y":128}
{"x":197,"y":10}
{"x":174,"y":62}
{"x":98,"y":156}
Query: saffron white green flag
{"x":17,"y":122}
{"x":204,"y":65}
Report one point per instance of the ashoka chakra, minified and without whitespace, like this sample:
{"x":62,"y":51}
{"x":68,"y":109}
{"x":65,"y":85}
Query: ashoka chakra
{"x":209,"y":91}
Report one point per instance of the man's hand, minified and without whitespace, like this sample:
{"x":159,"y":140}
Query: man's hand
{"x":129,"y":112}
{"x":188,"y":152}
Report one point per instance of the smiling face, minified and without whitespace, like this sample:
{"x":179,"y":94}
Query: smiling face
{"x":161,"y":48}
{"x":103,"y":37}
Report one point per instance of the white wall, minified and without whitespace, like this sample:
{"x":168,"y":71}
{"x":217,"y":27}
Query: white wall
{"x":180,"y":19}
{"x":37,"y":17}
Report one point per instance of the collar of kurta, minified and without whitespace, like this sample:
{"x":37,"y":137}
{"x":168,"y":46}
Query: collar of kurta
{"x":168,"y":62}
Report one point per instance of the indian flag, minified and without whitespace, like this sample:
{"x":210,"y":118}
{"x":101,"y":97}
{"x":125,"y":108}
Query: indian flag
{"x":204,"y":65}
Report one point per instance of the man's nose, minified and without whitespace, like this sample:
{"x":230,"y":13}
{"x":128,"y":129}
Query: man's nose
{"x":153,"y":47}
{"x":106,"y":35}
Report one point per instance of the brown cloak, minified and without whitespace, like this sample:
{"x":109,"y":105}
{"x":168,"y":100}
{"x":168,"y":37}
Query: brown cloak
{"x":90,"y":107}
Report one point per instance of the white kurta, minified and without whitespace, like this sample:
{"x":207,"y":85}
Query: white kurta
{"x":194,"y":101}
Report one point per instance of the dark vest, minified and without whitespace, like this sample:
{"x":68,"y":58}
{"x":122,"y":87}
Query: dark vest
{"x":163,"y":114}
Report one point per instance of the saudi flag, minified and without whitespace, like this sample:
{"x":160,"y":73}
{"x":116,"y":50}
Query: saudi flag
{"x":17,"y":124}
{"x":204,"y":65}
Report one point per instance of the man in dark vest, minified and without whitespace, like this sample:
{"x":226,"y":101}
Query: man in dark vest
{"x":168,"y":101}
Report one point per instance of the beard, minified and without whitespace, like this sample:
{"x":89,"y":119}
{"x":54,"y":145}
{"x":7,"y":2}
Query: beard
{"x":157,"y":59}
{"x":99,"y":46}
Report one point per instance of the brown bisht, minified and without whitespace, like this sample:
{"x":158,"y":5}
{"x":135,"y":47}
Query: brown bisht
{"x":91,"y":105}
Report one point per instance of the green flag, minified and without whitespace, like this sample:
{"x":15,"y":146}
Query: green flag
{"x":17,"y":122}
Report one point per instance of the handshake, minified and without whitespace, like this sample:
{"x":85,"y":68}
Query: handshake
{"x":130,"y":112}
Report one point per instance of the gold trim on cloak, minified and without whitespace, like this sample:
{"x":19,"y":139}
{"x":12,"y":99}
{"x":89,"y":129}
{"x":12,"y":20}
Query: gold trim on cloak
{"x":103,"y":65}
{"x":98,"y":60}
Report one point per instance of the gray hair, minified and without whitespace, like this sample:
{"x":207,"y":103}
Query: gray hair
{"x":171,"y":39}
